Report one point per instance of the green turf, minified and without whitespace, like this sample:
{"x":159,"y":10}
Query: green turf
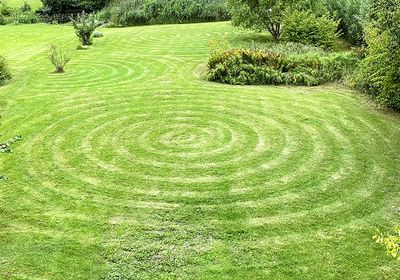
{"x":133,"y":167}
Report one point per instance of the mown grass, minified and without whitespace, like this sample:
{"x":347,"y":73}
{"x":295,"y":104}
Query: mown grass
{"x":133,"y":167}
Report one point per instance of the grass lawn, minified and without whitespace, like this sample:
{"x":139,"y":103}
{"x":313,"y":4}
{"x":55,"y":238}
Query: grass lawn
{"x":133,"y":167}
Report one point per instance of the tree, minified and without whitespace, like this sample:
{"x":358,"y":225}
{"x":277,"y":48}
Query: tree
{"x":267,"y":14}
{"x":73,"y":6}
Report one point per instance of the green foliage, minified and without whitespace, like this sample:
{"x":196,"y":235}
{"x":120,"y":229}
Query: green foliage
{"x":26,"y":7}
{"x":290,"y":48}
{"x":267,"y":15}
{"x":306,"y":28}
{"x":4,"y":72}
{"x":5,"y":10}
{"x":257,"y":66}
{"x":352,"y":15}
{"x":391,"y":241}
{"x":58,"y":58}
{"x":21,"y":15}
{"x":85,"y":25}
{"x":61,"y":10}
{"x":380,"y":75}
{"x":140,"y":12}
{"x":73,"y":6}
{"x":97,"y":34}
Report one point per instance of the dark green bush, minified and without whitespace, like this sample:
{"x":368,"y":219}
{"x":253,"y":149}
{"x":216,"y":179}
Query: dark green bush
{"x":73,"y":6}
{"x":262,"y":67}
{"x":4,"y":72}
{"x":61,"y":10}
{"x":5,"y":10}
{"x":140,"y":12}
{"x":306,"y":28}
{"x":380,"y":71}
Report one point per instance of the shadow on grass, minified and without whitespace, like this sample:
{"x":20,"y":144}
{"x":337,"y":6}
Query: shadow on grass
{"x":247,"y":39}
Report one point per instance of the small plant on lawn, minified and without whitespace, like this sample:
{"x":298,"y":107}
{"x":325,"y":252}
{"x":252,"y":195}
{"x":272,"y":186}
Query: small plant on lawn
{"x":58,"y":58}
{"x":5,"y":147}
{"x":97,"y":34}
{"x":84,"y":25}
{"x":391,"y":241}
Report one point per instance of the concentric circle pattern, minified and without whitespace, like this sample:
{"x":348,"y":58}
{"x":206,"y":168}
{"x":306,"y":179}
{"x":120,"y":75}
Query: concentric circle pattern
{"x":157,"y":173}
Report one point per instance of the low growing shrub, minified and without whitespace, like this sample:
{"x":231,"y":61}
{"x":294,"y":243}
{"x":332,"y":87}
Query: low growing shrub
{"x":391,"y":241}
{"x":306,"y":28}
{"x":5,"y":74}
{"x":97,"y":34}
{"x":21,"y":15}
{"x":289,"y":48}
{"x":263,"y":67}
{"x":85,"y":25}
{"x":58,"y":58}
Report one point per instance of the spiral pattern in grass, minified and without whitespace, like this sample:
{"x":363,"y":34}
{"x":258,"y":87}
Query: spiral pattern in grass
{"x":132,"y":167}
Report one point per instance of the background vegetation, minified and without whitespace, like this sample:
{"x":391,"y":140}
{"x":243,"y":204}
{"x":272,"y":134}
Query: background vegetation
{"x":140,"y":12}
{"x":380,"y":75}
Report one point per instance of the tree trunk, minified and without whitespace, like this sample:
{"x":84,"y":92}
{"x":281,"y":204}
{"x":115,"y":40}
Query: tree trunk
{"x":275,"y":30}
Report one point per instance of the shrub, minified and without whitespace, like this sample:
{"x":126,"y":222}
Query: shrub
{"x":352,"y":16}
{"x":306,"y":28}
{"x":85,"y":25}
{"x":391,"y":241}
{"x":257,"y":66}
{"x":20,"y":15}
{"x":25,"y":8}
{"x":380,"y":75}
{"x":58,"y":58}
{"x":4,"y":72}
{"x":97,"y":34}
{"x":5,"y":10}
{"x":24,"y":18}
{"x":141,"y":12}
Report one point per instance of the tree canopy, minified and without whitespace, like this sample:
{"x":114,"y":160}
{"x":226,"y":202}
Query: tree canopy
{"x":267,"y":14}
